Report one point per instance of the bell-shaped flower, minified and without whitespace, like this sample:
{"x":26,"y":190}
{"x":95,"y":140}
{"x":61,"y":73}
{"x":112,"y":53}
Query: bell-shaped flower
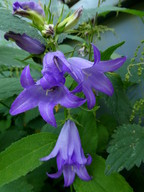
{"x":90,"y":76}
{"x":25,"y":42}
{"x":44,"y":95}
{"x":69,"y":155}
{"x":55,"y":65}
{"x":31,"y":10}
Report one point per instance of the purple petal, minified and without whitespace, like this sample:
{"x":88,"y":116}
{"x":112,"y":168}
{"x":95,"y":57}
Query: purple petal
{"x":111,"y":65}
{"x":26,"y":78}
{"x":27,"y":100}
{"x":89,"y":160}
{"x":69,"y":100}
{"x":82,"y":173}
{"x":46,"y":111}
{"x":102,"y":84}
{"x":89,"y":96}
{"x":79,"y":63}
{"x":48,"y":81}
{"x":98,"y":81}
{"x":55,"y":175}
{"x":77,"y":89}
{"x":97,"y":55}
{"x":69,"y":175}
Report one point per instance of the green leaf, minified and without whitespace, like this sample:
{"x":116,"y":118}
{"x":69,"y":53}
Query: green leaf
{"x":100,"y":182}
{"x":118,"y":104}
{"x":126,"y":148}
{"x":8,"y":22}
{"x":9,"y":87}
{"x":65,"y":48}
{"x":103,"y":137}
{"x":30,"y":115}
{"x":88,"y":131}
{"x":75,"y":38}
{"x":103,"y":10}
{"x":20,"y":185}
{"x":12,"y":57}
{"x":105,"y":55}
{"x":24,"y":156}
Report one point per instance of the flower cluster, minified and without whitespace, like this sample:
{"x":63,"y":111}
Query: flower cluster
{"x":50,"y":90}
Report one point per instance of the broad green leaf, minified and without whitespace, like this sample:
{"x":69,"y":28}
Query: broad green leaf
{"x":103,"y":137}
{"x":105,"y":55}
{"x":103,"y":10}
{"x":5,"y":124}
{"x":126,"y":148}
{"x":9,"y":87}
{"x":20,"y":185}
{"x":65,"y":48}
{"x":30,"y":115}
{"x":8,"y":22}
{"x":75,"y":38}
{"x":118,"y":104}
{"x":88,"y":131}
{"x":24,"y":156}
{"x":13,"y":57}
{"x":100,"y":182}
{"x":10,"y":136}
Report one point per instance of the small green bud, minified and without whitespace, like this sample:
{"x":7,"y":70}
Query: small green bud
{"x":69,"y":22}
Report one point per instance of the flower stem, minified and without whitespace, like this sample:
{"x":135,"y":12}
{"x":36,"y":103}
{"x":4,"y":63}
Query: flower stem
{"x":71,"y":188}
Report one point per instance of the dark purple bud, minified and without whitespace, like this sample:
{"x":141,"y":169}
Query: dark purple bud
{"x":25,"y":42}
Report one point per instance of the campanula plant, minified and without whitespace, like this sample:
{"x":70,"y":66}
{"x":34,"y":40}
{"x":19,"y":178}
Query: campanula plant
{"x":65,"y":108}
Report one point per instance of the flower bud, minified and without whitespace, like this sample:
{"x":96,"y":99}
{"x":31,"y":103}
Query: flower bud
{"x":30,"y":10}
{"x":69,"y":22}
{"x":48,"y":30}
{"x":26,"y":43}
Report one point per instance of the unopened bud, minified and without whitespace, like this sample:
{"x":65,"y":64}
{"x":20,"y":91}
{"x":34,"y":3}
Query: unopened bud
{"x":69,"y":22}
{"x":48,"y":30}
{"x":30,"y":10}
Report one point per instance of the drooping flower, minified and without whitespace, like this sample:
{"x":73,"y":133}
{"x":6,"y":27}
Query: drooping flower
{"x":25,"y":42}
{"x":30,"y":10}
{"x":45,"y":95}
{"x":69,"y":155}
{"x":90,"y":76}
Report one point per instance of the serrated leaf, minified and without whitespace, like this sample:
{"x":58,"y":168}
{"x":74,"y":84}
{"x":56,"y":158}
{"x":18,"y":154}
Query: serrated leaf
{"x":9,"y":87}
{"x":13,"y":57}
{"x":20,"y":185}
{"x":105,"y":55}
{"x":100,"y":182}
{"x":126,"y":148}
{"x":8,"y":22}
{"x":24,"y":156}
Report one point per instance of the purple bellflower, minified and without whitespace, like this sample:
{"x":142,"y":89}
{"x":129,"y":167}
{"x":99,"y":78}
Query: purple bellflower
{"x":90,"y":76}
{"x":18,"y":7}
{"x":46,"y":94}
{"x":55,"y":66}
{"x":26,"y":43}
{"x":70,"y":156}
